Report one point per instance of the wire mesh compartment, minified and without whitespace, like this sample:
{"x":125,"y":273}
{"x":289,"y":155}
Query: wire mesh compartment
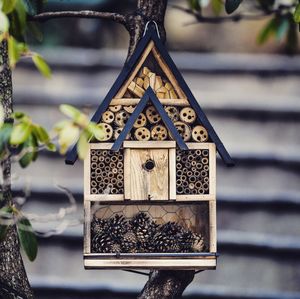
{"x":106,"y":172}
{"x":155,"y":228}
{"x":192,"y":171}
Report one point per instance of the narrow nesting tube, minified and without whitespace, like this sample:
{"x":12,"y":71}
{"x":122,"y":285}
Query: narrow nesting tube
{"x":192,"y":179}
{"x":99,"y":178}
{"x":180,"y":190}
{"x":94,"y":190}
{"x":98,"y":171}
{"x":93,"y":184}
{"x":198,"y":152}
{"x":94,"y":158}
{"x":205,"y":153}
{"x":204,"y":161}
{"x":204,"y":173}
{"x":178,"y":166}
{"x":93,"y":165}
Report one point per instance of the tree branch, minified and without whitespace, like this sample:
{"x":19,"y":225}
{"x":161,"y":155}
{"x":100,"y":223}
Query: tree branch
{"x":221,"y":19}
{"x":89,"y":14}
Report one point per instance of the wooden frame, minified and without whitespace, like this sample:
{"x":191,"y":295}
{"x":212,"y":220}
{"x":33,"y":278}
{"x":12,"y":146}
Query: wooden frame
{"x":159,"y":145}
{"x":87,"y":176}
{"x":212,"y":173}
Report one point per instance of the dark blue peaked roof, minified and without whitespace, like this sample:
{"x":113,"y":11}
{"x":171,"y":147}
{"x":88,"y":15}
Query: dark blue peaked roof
{"x":127,"y":69}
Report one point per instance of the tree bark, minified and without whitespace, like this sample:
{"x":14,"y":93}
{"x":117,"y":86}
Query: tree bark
{"x":12,"y":272}
{"x":166,"y":284}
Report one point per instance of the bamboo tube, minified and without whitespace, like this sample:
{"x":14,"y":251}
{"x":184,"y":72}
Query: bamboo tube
{"x":206,"y":180}
{"x":193,"y":179}
{"x":199,"y":134}
{"x":93,"y":152}
{"x":108,"y":117}
{"x":120,"y":157}
{"x":191,"y":186}
{"x":178,"y":182}
{"x":104,"y":153}
{"x":205,"y":187}
{"x":107,"y":168}
{"x":198,"y":184}
{"x":93,"y":184}
{"x":188,"y":165}
{"x":99,"y":178}
{"x":187,"y":115}
{"x":205,"y":153}
{"x":196,"y":173}
{"x":120,"y":184}
{"x":179,"y":190}
{"x":93,"y":165}
{"x":178,"y":166}
{"x":198,"y":152}
{"x":141,"y":121}
{"x":187,"y":191}
{"x":94,"y":190}
{"x":183,"y":159}
{"x":110,"y":175}
{"x":189,"y":174}
{"x":193,"y":163}
{"x":190,"y":157}
{"x":120,"y":177}
{"x":178,"y":157}
{"x":199,"y":166}
{"x":204,"y":173}
{"x":101,"y":159}
{"x":107,"y":160}
{"x":105,"y":181}
{"x":115,"y":108}
{"x":114,"y":170}
{"x":206,"y":167}
{"x":204,"y":161}
{"x":179,"y":172}
{"x":101,"y":165}
{"x":185,"y":184}
{"x":94,"y":158}
{"x":98,"y":170}
{"x":93,"y":174}
{"x":113,"y":181}
{"x":201,"y":190}
{"x":120,"y":165}
{"x":194,"y":169}
{"x":100,"y":190}
{"x":114,"y":159}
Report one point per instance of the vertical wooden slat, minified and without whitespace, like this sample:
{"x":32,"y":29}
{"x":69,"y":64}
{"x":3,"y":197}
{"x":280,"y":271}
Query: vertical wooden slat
{"x":127,"y":179}
{"x":212,"y":226}
{"x":212,"y":170}
{"x":87,"y":227}
{"x":87,"y":173}
{"x":172,"y":173}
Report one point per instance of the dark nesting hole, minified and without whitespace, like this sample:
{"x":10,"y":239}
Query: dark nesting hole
{"x":149,"y":165}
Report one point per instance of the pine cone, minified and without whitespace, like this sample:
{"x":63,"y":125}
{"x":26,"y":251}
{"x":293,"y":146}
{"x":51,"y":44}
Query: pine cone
{"x":102,"y":243}
{"x":115,"y":248}
{"x":129,"y":242}
{"x":198,"y":244}
{"x":98,"y":225}
{"x":144,"y":228}
{"x":117,"y":227}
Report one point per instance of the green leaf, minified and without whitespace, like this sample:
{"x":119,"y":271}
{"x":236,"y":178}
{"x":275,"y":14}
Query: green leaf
{"x":97,"y":131}
{"x":30,"y":6}
{"x":3,"y":231}
{"x":21,"y":13}
{"x":27,"y":238}
{"x":41,"y":134}
{"x":232,"y":5}
{"x":35,"y":31}
{"x":41,"y":65}
{"x":267,"y":31}
{"x":8,"y":6}
{"x":195,"y":4}
{"x":4,"y":23}
{"x":67,"y":136}
{"x":1,"y":116}
{"x":282,"y":28}
{"x":217,"y":6}
{"x":51,"y":147}
{"x":18,"y":115}
{"x":296,"y":15}
{"x":5,"y":133}
{"x":31,"y":151}
{"x":72,"y":112}
{"x":82,"y":145}
{"x":20,"y":133}
{"x":13,"y":51}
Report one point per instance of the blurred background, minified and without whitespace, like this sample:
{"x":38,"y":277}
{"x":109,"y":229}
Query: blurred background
{"x":251,"y":95}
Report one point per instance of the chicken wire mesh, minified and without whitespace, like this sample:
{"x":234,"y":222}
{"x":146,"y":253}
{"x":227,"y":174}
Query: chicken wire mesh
{"x":150,"y":228}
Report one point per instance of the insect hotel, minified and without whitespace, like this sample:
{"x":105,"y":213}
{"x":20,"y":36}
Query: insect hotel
{"x":150,"y":184}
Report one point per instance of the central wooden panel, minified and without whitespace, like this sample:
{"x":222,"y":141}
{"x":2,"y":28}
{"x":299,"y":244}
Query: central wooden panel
{"x":148,"y":183}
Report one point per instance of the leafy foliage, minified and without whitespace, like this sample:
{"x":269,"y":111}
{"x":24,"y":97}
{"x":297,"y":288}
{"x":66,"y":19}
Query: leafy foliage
{"x":14,"y":27}
{"x":27,"y":238}
{"x":78,"y":128}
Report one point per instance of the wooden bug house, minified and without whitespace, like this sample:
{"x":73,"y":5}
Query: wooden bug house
{"x":150,"y":184}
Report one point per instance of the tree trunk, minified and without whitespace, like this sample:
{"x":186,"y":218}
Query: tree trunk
{"x":161,"y":284}
{"x":13,"y":278}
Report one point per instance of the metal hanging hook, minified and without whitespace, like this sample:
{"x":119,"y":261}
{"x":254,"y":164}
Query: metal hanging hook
{"x":156,"y":26}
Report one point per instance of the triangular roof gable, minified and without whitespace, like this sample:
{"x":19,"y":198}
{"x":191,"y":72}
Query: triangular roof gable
{"x":151,"y":35}
{"x":149,"y":96}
